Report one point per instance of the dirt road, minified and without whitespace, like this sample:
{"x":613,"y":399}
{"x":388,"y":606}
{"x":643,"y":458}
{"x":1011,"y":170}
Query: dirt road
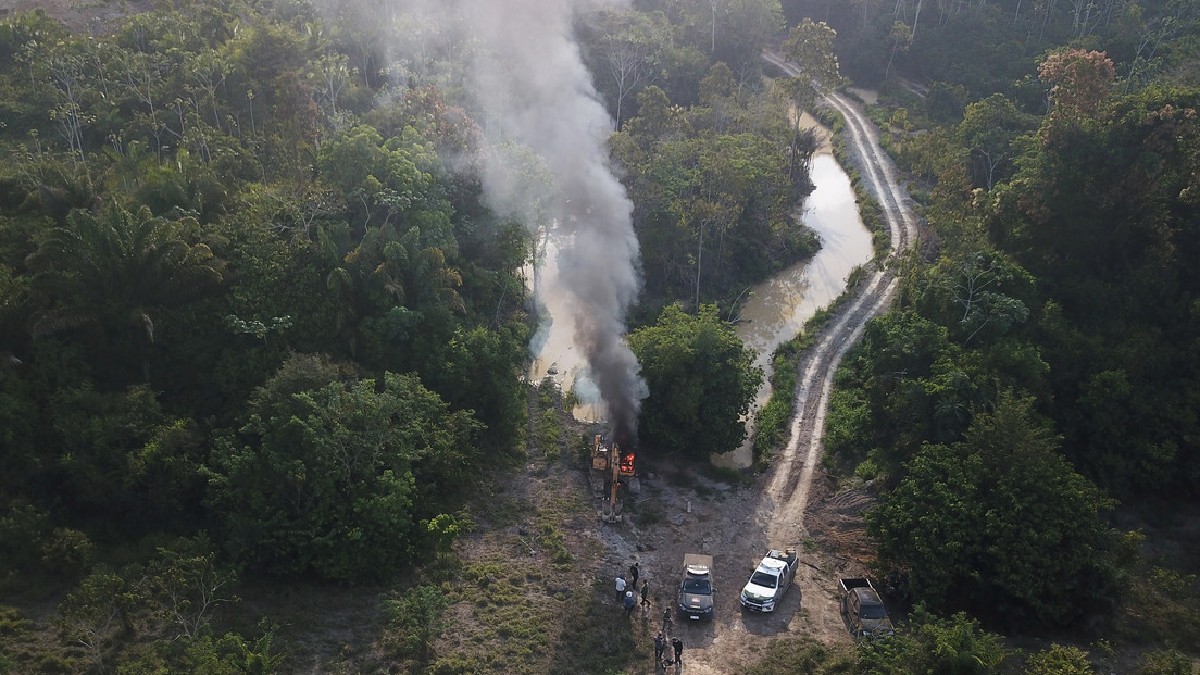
{"x":793,"y":504}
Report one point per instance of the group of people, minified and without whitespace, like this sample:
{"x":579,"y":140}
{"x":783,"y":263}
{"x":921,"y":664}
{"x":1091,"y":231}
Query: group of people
{"x":660,"y":648}
{"x":627,"y":590}
{"x":626,"y":593}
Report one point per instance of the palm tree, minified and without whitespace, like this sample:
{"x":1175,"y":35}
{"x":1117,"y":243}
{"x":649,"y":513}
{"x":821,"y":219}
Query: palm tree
{"x":115,"y":270}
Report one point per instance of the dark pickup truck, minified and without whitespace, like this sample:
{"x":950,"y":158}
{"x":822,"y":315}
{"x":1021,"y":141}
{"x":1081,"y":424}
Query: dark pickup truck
{"x":865,"y":615}
{"x":696,"y":588}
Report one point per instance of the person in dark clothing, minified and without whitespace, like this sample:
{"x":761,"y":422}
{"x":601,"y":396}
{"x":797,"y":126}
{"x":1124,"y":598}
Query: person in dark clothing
{"x":678,"y":645}
{"x":629,"y":602}
{"x":634,"y":572}
{"x":646,"y":595}
{"x":660,"y":646}
{"x":666,"y":617}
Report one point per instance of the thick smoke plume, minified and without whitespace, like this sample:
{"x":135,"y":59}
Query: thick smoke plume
{"x":529,"y":79}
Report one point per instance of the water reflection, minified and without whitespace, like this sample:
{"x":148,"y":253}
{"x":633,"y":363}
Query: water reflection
{"x":778,"y":308}
{"x":774,"y":312}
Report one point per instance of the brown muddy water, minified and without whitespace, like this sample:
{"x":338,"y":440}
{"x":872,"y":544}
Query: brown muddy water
{"x":774,"y":311}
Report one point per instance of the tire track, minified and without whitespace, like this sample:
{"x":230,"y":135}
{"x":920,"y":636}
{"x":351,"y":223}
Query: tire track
{"x":789,"y":486}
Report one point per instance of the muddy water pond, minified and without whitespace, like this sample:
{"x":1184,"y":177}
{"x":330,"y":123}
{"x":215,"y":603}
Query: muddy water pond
{"x":778,"y":308}
{"x":774,"y":312}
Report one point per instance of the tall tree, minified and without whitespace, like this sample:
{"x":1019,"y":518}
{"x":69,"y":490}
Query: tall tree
{"x":117,"y":269}
{"x":959,"y":522}
{"x":810,"y":46}
{"x":336,"y":481}
{"x":701,"y":382}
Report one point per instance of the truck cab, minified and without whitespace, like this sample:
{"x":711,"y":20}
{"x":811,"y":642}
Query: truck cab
{"x":696,"y":588}
{"x":770,"y":581}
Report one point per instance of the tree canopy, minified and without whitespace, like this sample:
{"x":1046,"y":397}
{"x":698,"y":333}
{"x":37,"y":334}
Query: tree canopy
{"x":701,"y":382}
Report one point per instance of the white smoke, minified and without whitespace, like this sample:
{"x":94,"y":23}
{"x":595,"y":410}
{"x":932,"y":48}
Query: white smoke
{"x":527,"y":85}
{"x":529,"y":78}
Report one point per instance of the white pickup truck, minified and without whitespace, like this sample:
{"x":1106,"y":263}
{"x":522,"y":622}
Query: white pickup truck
{"x":770,"y":581}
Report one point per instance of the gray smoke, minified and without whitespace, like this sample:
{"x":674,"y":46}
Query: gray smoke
{"x":529,"y":79}
{"x":527,"y":86}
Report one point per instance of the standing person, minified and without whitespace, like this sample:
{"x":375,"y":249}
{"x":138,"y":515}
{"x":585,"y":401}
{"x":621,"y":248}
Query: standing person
{"x":646,"y":596}
{"x":678,"y":645}
{"x":634,"y":572}
{"x":666,"y":617}
{"x":629,"y":602}
{"x":660,"y":645}
{"x":620,"y":586}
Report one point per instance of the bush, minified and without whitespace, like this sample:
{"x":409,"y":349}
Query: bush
{"x":66,"y":553}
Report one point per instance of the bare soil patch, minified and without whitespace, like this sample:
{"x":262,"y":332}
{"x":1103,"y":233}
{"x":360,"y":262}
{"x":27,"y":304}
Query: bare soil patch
{"x":94,"y":18}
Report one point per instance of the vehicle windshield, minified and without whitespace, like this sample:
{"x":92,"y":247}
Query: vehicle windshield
{"x":696,"y":585}
{"x":872,"y":611}
{"x":762,"y":579}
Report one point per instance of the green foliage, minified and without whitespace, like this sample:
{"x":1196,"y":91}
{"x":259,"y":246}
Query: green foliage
{"x":928,"y":644}
{"x":29,"y":543}
{"x":1097,"y":211}
{"x":186,"y":585}
{"x":701,"y":382}
{"x":1166,"y":662}
{"x":1159,"y":607}
{"x":810,"y":45}
{"x":124,"y":440}
{"x":339,"y":477}
{"x":112,"y":270}
{"x":959,"y":522}
{"x":417,"y":618}
{"x":713,"y":188}
{"x":91,"y":616}
{"x":1059,"y":660}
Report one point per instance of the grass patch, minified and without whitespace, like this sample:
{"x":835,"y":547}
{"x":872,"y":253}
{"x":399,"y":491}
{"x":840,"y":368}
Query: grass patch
{"x":773,"y":419}
{"x":1161,"y":609}
{"x":596,"y":636}
{"x":503,"y":511}
{"x":802,"y":655}
{"x":555,"y":544}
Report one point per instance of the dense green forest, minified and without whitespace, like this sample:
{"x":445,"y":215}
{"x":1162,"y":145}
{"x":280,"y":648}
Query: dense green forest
{"x":258,"y":321}
{"x":1043,"y":363}
{"x":260,"y":325}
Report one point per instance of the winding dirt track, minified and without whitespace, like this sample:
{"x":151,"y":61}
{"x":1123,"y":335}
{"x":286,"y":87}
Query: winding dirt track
{"x":787,"y":491}
{"x":740,"y":527}
{"x":737,"y":525}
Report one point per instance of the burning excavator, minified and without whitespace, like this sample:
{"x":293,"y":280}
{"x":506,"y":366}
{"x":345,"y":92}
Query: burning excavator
{"x":614,"y":465}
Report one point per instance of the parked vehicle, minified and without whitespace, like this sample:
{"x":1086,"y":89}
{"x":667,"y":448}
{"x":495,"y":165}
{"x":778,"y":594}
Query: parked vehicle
{"x":696,"y":588}
{"x":863,"y":610}
{"x":770,"y":580}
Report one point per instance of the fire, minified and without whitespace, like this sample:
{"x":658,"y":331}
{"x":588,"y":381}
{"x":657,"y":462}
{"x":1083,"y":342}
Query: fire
{"x":627,"y":464}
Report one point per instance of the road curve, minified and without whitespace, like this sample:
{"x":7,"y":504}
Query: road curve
{"x":774,"y":516}
{"x":788,"y":486}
